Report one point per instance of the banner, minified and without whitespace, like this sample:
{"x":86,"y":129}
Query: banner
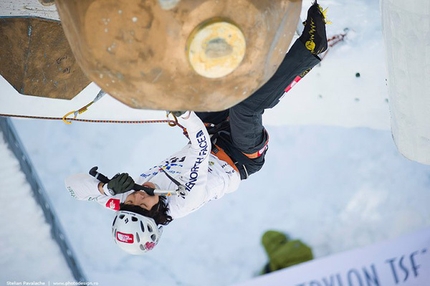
{"x":404,"y":261}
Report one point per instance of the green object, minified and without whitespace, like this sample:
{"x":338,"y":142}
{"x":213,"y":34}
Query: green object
{"x":282,"y":252}
{"x":177,"y":113}
{"x":120,"y":183}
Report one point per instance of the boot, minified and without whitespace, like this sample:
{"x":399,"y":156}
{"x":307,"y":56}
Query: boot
{"x":314,"y":34}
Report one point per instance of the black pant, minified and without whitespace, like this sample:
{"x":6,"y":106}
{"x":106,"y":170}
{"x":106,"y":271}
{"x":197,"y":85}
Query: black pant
{"x":247,"y":132}
{"x":246,"y":125}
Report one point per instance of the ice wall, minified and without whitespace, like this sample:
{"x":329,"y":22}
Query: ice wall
{"x":406,"y":29}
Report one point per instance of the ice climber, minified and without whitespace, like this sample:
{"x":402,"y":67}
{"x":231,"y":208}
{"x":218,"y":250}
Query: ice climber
{"x":224,"y":148}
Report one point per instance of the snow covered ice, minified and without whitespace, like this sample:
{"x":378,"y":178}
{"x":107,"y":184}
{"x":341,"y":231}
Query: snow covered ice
{"x":28,"y":252}
{"x":333,"y":178}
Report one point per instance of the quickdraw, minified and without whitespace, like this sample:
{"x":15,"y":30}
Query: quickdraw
{"x":82,"y":109}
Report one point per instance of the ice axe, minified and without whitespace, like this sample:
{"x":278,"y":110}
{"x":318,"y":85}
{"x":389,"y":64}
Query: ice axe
{"x":180,"y":191}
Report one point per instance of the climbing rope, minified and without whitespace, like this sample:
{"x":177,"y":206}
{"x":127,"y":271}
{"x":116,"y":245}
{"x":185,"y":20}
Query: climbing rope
{"x":171,"y":122}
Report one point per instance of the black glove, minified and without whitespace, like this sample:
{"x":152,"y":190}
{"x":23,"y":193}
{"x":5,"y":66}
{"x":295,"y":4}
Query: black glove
{"x":120,"y":183}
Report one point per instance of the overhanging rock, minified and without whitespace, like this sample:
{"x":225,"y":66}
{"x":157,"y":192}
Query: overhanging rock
{"x":36,"y":59}
{"x":203,"y":55}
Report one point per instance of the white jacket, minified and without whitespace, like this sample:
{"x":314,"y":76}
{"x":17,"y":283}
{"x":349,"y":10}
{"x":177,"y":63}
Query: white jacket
{"x":205,"y":177}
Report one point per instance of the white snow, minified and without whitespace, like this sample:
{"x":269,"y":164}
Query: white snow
{"x":28,"y":252}
{"x":333,"y":176}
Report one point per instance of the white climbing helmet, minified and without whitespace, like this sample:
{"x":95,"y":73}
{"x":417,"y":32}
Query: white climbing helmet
{"x":135,"y":233}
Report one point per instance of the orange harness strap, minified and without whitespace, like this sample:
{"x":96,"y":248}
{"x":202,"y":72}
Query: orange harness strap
{"x":220,"y":154}
{"x":259,"y":152}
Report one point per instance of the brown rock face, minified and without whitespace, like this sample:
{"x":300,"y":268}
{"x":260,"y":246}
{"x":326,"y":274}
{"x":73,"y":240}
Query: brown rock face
{"x":203,"y":55}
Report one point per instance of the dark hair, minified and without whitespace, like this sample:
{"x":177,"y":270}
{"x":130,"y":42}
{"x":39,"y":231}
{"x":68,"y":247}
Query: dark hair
{"x":158,"y":212}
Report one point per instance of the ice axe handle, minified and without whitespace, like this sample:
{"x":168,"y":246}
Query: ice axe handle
{"x":102,"y":178}
{"x":149,"y":191}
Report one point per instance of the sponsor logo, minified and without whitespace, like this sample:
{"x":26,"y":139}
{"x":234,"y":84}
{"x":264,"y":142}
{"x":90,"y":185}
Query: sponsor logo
{"x":203,"y":145}
{"x":149,"y":245}
{"x":72,"y":193}
{"x":125,"y":237}
{"x":292,"y":84}
{"x":262,"y":150}
{"x":113,"y":204}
